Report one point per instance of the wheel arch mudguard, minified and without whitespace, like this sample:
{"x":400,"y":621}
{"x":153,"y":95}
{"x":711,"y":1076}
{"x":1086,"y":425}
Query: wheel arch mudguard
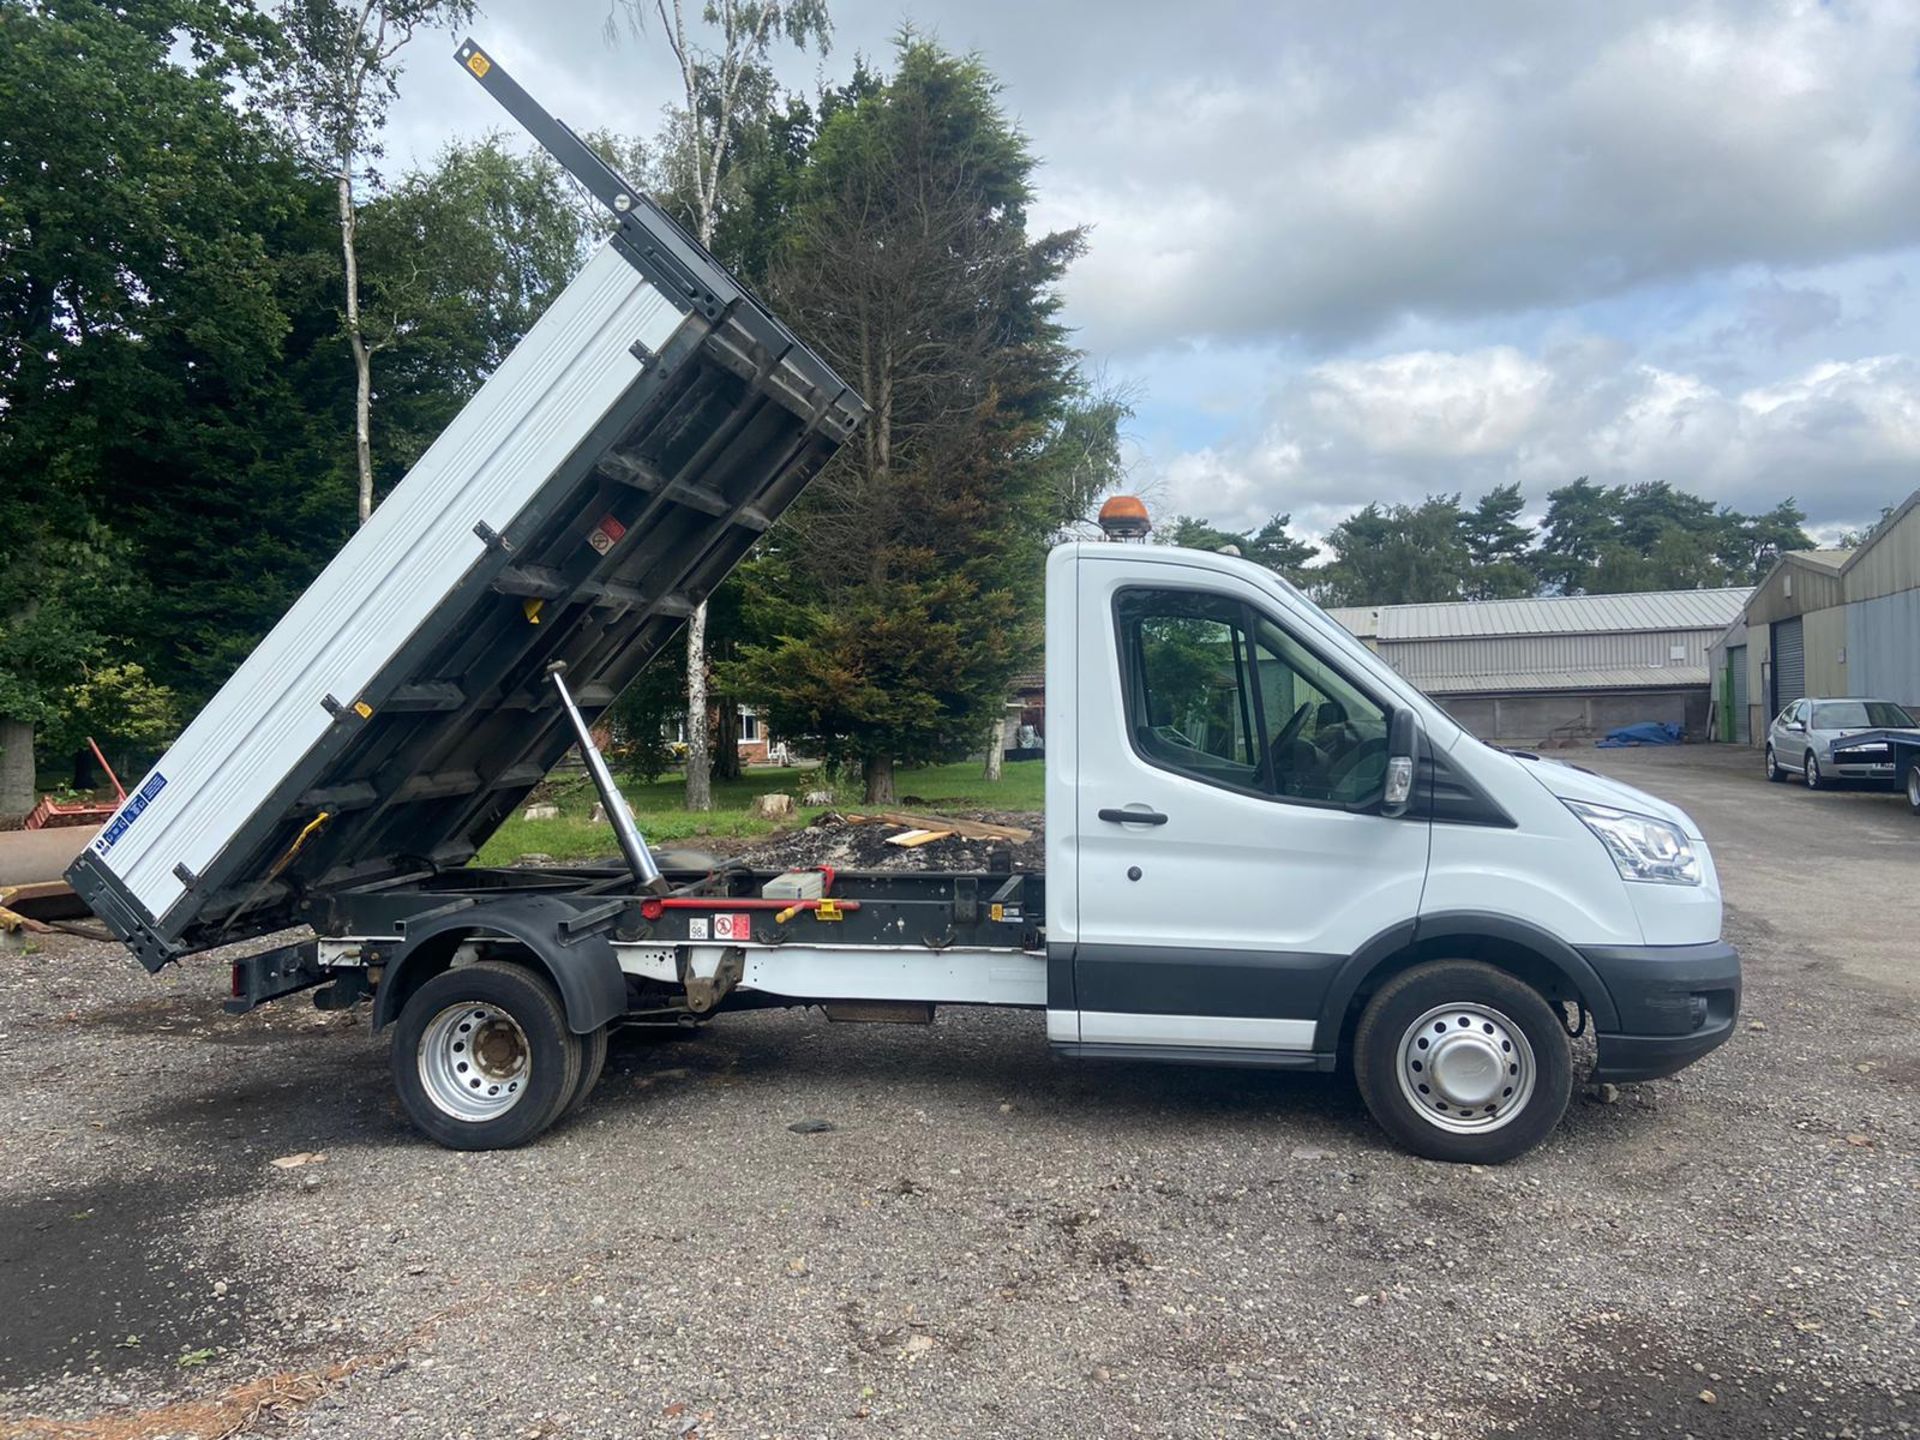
{"x":583,"y":968}
{"x":1534,"y":954}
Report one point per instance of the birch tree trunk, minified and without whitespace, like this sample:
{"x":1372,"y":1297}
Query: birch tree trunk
{"x":699,"y":732}
{"x":996,"y":749}
{"x":362,"y":357}
{"x":17,"y":793}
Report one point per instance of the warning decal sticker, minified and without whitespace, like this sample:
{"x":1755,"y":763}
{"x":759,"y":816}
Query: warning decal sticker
{"x":135,"y":807}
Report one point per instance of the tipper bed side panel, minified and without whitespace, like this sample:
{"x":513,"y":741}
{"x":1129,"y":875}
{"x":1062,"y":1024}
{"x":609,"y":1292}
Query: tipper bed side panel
{"x":602,"y":482}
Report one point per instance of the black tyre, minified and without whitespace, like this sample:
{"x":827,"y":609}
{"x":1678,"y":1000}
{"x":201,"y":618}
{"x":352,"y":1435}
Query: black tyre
{"x":1459,"y":1061}
{"x":1910,"y":782}
{"x":1810,"y":772}
{"x":593,"y":1060}
{"x":1774,"y":772}
{"x":483,"y":1058}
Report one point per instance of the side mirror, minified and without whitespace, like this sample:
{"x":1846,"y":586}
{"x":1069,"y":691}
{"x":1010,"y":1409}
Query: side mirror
{"x":1403,"y":744}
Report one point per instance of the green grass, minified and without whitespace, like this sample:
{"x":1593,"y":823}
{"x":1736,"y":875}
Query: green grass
{"x":662,"y":820}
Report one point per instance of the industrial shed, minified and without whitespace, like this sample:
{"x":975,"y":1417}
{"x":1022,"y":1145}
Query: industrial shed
{"x":1825,"y":622}
{"x":1561,"y":667}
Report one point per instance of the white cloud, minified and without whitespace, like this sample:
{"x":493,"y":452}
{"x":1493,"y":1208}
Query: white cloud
{"x":1551,"y":162}
{"x":1843,"y":436}
{"x":1429,"y":404}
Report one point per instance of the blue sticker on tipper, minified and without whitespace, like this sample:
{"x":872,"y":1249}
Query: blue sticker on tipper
{"x":128,"y":813}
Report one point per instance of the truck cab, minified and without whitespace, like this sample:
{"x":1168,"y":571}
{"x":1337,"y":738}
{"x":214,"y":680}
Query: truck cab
{"x":1230,"y":881}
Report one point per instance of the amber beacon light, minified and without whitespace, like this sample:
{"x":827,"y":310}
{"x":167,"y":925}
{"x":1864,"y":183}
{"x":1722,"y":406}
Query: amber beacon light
{"x":1124,"y":517}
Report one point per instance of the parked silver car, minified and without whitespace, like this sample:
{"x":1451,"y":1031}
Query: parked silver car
{"x":1800,"y":740}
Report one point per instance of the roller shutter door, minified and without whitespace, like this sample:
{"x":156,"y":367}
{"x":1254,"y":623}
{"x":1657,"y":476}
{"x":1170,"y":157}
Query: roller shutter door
{"x":1789,"y":663}
{"x":1737,"y":663}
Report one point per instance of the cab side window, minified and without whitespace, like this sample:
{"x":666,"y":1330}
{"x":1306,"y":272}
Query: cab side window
{"x":1329,"y":738}
{"x":1224,"y":695}
{"x":1190,"y":692}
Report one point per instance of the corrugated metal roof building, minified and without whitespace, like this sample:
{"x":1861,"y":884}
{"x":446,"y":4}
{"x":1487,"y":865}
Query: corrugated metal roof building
{"x":1558,"y":667}
{"x":1825,"y":622}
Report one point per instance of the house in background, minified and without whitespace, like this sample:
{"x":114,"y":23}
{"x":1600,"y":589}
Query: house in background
{"x":756,"y":743}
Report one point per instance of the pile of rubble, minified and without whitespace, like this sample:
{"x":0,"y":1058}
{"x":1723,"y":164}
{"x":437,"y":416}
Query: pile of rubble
{"x":898,"y":840}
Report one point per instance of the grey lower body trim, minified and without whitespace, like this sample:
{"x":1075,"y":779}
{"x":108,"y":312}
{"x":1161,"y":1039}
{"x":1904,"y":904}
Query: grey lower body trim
{"x":1224,"y":1032}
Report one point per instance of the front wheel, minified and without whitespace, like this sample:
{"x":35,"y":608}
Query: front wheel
{"x":483,"y":1058}
{"x":1913,"y":786}
{"x":1811,"y":770}
{"x":1459,"y":1061}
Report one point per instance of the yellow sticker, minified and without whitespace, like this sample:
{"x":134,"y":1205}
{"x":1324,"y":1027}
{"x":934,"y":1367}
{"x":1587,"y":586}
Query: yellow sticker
{"x":479,"y":64}
{"x":997,"y":913}
{"x":363,"y":710}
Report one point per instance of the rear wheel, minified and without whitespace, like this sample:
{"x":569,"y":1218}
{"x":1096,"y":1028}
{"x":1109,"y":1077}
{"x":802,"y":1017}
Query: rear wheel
{"x":1460,"y":1061}
{"x":483,"y":1058}
{"x":1810,"y":771}
{"x":1913,"y":785}
{"x":1774,"y":772}
{"x":593,"y":1059}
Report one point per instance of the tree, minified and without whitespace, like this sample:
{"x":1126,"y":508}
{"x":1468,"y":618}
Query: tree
{"x":1271,"y":544}
{"x":1396,"y":554}
{"x":341,"y":75}
{"x":728,"y":86}
{"x":119,"y":707}
{"x":1498,"y":547}
{"x":912,"y":567}
{"x":1652,"y":536}
{"x":52,"y":619}
{"x":459,"y":259}
{"x":1581,"y":520}
{"x":136,"y":293}
{"x":1751,"y":543}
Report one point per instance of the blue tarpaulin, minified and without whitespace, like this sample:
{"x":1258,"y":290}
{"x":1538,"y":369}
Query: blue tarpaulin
{"x":1648,"y":732}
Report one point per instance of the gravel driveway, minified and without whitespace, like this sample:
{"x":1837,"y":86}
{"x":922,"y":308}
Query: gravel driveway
{"x":985,"y":1242}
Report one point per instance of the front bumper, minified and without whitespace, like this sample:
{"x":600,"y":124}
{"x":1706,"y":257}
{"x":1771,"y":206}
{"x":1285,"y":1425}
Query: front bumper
{"x":1675,"y":1002}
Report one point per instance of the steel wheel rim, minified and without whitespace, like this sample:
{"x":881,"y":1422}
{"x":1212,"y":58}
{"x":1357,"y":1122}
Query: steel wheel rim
{"x":1466,"y":1069}
{"x":1813,"y":771}
{"x":474,"y":1060}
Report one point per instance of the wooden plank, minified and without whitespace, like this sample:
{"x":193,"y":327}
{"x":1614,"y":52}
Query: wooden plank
{"x":909,"y":839}
{"x":972,"y":829}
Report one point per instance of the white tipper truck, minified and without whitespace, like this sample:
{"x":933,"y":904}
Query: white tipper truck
{"x":1263,"y":846}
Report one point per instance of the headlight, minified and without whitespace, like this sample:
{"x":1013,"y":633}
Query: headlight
{"x":1642,"y":847}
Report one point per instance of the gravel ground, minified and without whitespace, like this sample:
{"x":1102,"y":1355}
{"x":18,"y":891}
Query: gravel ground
{"x":985,"y":1241}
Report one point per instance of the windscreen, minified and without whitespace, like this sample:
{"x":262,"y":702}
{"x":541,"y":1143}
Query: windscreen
{"x":1859,"y":715}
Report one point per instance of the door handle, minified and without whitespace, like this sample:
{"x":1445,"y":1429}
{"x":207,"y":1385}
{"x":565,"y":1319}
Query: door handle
{"x":1134,"y":817}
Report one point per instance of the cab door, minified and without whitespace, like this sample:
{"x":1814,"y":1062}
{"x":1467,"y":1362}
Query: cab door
{"x":1231,"y":854}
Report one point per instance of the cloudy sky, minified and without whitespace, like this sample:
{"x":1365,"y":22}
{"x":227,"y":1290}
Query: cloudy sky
{"x":1351,"y":253}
